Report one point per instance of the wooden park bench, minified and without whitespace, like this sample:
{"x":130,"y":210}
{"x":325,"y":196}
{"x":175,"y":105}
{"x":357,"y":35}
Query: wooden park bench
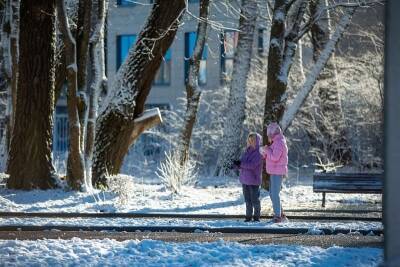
{"x":364,"y":183}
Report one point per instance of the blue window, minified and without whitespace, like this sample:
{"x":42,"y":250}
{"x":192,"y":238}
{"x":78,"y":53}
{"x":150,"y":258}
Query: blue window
{"x":190,"y":42}
{"x":229,"y":42}
{"x":126,"y":2}
{"x":163,"y":76}
{"x":60,"y":135}
{"x":124,"y":43}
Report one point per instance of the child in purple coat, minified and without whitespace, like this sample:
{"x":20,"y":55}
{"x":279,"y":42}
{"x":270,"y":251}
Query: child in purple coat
{"x":250,"y":176}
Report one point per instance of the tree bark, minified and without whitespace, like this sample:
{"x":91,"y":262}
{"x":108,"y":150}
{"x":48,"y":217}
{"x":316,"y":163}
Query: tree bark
{"x":193,"y":91}
{"x":280,"y":60}
{"x":14,"y":57}
{"x":331,"y":120}
{"x":82,"y":49}
{"x":6,"y":73}
{"x":30,"y":165}
{"x":4,"y":86}
{"x":61,"y":73}
{"x":97,"y":67}
{"x":126,"y":99}
{"x":75,"y":164}
{"x":237,"y":94}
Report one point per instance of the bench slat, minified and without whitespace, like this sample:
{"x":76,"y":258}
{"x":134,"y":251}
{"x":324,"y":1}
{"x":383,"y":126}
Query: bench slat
{"x":348,"y":182}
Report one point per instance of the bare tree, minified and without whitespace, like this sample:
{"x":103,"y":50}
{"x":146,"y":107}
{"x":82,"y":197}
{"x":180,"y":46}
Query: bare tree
{"x":121,"y":117}
{"x":193,"y":91}
{"x":83,"y":29}
{"x":312,"y":77}
{"x":282,"y":50}
{"x":237,"y":94}
{"x":98,"y":78}
{"x":10,"y":26}
{"x":75,"y":164}
{"x":30,"y":164}
{"x":332,"y":128}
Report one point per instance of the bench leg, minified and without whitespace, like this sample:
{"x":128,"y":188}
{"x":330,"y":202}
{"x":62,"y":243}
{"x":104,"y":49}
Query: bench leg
{"x":323,"y":199}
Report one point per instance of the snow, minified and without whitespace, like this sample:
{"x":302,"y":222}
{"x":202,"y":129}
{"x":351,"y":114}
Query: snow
{"x":148,"y":114}
{"x":109,"y":252}
{"x":214,"y":195}
{"x":314,"y":228}
{"x":211,"y":195}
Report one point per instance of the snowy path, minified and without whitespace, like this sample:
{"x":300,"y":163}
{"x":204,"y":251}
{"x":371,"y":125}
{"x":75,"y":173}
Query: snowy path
{"x":325,"y":241}
{"x":354,"y":226}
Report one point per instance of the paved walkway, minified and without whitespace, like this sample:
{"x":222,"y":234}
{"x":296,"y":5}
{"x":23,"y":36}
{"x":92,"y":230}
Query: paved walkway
{"x":307,"y":240}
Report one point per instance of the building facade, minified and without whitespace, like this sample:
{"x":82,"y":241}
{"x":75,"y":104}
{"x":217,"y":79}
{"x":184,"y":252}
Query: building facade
{"x":126,"y":19}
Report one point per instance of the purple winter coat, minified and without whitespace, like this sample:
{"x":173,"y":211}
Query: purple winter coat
{"x":251,"y":165}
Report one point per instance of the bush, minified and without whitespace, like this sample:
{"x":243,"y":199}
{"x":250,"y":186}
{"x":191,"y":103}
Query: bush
{"x":173,"y":175}
{"x":121,"y":186}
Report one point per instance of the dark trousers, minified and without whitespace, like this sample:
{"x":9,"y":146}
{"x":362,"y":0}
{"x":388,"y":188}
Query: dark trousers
{"x":252,"y":198}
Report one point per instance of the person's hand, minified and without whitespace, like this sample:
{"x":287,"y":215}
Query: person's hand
{"x":262,"y":150}
{"x":236,"y":163}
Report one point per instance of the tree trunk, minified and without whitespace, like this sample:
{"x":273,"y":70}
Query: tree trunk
{"x":126,"y":99}
{"x":30,"y":164}
{"x":61,"y":73}
{"x":281,"y":56}
{"x":331,"y":120}
{"x":97,"y":67}
{"x":4,"y":85}
{"x":233,"y":126}
{"x":14,"y":57}
{"x":75,"y":165}
{"x":82,"y":42}
{"x":193,"y":92}
{"x":6,"y":70}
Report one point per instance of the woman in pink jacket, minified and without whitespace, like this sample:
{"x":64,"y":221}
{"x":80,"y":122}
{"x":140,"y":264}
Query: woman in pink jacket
{"x":276,"y":157}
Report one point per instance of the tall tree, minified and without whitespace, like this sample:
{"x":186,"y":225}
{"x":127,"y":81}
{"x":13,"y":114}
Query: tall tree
{"x":30,"y":164}
{"x":98,"y":78}
{"x":283,"y":44}
{"x":237,"y":94}
{"x":193,"y":92}
{"x":83,"y":31}
{"x":75,"y":164}
{"x":120,"y":119}
{"x":9,"y":66}
{"x":330,"y":121}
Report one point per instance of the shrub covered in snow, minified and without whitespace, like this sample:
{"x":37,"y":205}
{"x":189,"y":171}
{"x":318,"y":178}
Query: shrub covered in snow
{"x":122,"y":186}
{"x":173,"y":175}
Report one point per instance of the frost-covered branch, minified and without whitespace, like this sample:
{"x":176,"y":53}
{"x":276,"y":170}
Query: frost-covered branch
{"x":290,"y":114}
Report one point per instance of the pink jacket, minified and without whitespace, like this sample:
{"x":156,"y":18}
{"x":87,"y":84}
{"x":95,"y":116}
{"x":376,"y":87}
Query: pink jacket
{"x":276,"y":156}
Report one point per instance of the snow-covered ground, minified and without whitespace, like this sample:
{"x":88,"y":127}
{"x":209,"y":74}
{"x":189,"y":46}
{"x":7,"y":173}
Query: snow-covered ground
{"x":78,"y":252}
{"x":209,"y":195}
{"x":214,"y":195}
